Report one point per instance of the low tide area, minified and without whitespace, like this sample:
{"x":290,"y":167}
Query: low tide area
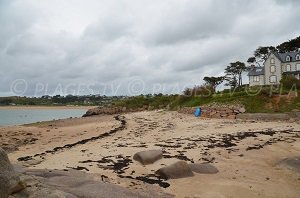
{"x":251,"y":156}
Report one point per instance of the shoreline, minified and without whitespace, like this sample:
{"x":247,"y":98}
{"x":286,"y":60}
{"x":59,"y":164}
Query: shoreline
{"x":44,"y":107}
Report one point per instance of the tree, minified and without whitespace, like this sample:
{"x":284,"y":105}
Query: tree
{"x":261,"y":54}
{"x":234,"y":74}
{"x":289,"y":46}
{"x":187,"y":92}
{"x":213,"y":82}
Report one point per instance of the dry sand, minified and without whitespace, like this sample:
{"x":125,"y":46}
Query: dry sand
{"x":246,"y":153}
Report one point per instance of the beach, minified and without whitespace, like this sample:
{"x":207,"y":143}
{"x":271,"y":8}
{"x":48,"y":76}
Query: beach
{"x":247,"y":153}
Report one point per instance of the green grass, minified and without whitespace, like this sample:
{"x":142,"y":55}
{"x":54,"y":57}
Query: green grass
{"x":263,"y":102}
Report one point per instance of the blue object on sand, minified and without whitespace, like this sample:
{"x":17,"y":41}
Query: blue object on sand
{"x":197,"y":113}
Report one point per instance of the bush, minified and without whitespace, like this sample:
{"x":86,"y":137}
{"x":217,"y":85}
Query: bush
{"x":289,"y":82}
{"x":202,"y":91}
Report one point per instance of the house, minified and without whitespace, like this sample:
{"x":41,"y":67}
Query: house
{"x":274,"y":67}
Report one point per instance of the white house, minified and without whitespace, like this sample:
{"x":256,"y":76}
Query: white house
{"x":274,"y":67}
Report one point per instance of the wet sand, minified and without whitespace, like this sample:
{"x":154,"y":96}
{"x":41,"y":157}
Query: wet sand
{"x":246,"y":153}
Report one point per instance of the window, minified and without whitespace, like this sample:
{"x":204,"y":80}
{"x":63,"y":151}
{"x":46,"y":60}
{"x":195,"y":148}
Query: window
{"x":288,"y":68}
{"x":273,"y":79}
{"x":298,"y":67}
{"x":255,"y":78}
{"x":272,"y":68}
{"x":298,"y":57}
{"x":287,"y":58}
{"x":272,"y":61}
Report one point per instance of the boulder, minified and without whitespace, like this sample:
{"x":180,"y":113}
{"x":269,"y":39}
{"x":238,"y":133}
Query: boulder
{"x":204,"y":168}
{"x":148,"y":157}
{"x":74,"y":183}
{"x":9,"y":179}
{"x":177,"y":170}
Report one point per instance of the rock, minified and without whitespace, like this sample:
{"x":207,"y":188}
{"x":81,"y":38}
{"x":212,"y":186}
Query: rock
{"x":208,"y":158}
{"x":33,"y":162}
{"x":231,"y":117}
{"x":205,"y":168}
{"x":148,"y":157}
{"x":216,"y":110}
{"x":104,"y":111}
{"x":177,"y":170}
{"x":292,"y":163}
{"x":224,"y":115}
{"x":45,"y":192}
{"x":73,"y":183}
{"x":236,"y":111}
{"x":9,"y":179}
{"x":242,"y":110}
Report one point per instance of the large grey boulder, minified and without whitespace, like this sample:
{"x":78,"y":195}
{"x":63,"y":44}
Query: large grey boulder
{"x":9,"y":179}
{"x":204,"y":168}
{"x":74,"y":183}
{"x":148,"y":157}
{"x":177,"y":170}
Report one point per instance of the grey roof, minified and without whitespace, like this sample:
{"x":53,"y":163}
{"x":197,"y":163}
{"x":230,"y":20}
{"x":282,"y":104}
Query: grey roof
{"x":282,"y":56}
{"x":292,"y":72}
{"x":256,"y":71}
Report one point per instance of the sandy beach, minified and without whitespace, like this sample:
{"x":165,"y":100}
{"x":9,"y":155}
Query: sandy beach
{"x":246,"y":153}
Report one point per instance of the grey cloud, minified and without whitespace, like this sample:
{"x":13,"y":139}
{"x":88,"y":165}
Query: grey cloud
{"x":171,"y":43}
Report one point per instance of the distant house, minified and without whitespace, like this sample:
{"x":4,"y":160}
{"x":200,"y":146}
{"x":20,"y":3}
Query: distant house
{"x":274,"y":67}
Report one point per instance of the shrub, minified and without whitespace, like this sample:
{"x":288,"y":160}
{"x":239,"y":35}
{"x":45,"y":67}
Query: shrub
{"x":289,"y":82}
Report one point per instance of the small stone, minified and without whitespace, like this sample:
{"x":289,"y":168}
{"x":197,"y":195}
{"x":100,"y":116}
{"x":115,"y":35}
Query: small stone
{"x":242,"y":110}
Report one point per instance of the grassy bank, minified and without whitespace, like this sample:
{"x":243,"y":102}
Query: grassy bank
{"x":255,"y":101}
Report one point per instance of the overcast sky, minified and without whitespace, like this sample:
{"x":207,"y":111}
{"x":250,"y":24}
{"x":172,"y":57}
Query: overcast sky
{"x":117,"y":47}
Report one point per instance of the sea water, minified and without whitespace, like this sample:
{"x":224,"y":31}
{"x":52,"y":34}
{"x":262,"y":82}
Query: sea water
{"x":25,"y":116}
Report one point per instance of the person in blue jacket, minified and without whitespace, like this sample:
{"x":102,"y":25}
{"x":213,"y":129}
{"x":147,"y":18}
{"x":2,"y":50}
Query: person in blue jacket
{"x":197,"y":112}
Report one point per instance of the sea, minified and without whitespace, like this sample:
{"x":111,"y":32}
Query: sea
{"x":10,"y":117}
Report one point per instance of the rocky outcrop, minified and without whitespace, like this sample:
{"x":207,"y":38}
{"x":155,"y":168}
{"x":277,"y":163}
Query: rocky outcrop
{"x":148,"y":157}
{"x":9,"y":179}
{"x":105,"y":111}
{"x":216,"y":111}
{"x":73,"y":184}
{"x":112,"y":110}
{"x":177,"y":170}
